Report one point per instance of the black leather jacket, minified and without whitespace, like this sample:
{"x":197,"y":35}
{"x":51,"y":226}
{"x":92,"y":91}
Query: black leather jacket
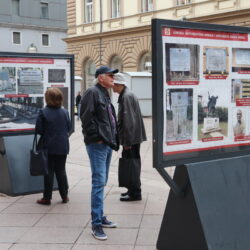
{"x":97,"y":123}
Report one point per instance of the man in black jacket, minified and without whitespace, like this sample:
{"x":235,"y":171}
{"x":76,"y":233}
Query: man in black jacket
{"x":99,"y":128}
{"x":131,"y":132}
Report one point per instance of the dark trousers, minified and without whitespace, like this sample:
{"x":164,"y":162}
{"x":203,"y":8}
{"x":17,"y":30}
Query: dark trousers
{"x":57,"y":166}
{"x":134,"y":152}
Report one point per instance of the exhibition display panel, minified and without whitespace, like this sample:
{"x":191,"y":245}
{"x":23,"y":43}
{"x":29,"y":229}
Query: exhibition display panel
{"x":201,"y":86}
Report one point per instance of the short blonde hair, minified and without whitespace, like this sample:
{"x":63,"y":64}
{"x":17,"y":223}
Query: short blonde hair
{"x":54,"y":97}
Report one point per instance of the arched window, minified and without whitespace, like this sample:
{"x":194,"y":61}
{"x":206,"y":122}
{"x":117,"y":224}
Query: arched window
{"x":145,"y":63}
{"x":89,"y":73}
{"x":116,"y":63}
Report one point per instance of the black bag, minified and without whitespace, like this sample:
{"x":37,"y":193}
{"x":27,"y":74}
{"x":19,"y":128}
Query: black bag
{"x":129,"y":172}
{"x":38,"y":159}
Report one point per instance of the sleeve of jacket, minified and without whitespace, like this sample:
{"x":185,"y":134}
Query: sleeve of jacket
{"x":39,"y":129}
{"x":87,"y":113}
{"x":68,"y":121}
{"x":128,"y":120}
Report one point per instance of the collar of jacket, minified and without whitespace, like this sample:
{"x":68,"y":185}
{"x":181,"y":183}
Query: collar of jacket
{"x":104,"y":90}
{"x":121,"y":95}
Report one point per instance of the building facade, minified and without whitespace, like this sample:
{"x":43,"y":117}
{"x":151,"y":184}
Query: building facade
{"x":118,"y":32}
{"x":33,"y":26}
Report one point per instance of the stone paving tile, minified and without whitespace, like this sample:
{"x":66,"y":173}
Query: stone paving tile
{"x":4,"y":205}
{"x":11,"y":234}
{"x":64,"y":220}
{"x":26,"y":208}
{"x":151,"y":221}
{"x":19,"y":220}
{"x":156,"y":204}
{"x":53,"y":235}
{"x":116,"y":236}
{"x":145,"y":248}
{"x":69,"y":208}
{"x":147,"y":236}
{"x":4,"y":198}
{"x":5,"y":246}
{"x":102,"y":247}
{"x":135,"y":207}
{"x":41,"y":247}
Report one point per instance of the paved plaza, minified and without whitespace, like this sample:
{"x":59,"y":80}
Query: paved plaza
{"x":25,"y":225}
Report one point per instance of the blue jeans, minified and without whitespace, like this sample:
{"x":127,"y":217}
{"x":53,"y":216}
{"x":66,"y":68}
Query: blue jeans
{"x":100,"y":157}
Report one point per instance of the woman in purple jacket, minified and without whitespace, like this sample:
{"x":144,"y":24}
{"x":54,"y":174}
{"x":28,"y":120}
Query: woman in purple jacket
{"x":53,"y":124}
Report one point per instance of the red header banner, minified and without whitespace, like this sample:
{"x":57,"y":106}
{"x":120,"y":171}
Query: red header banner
{"x":26,"y":60}
{"x":204,"y":34}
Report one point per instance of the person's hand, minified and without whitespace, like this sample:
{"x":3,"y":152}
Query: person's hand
{"x":127,"y":147}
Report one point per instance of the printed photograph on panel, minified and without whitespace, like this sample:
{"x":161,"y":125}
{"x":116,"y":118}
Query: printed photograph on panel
{"x":182,"y":63}
{"x":241,"y":60}
{"x":212,"y":115}
{"x":241,"y":92}
{"x":215,"y":62}
{"x":179,"y":114}
{"x":30,"y":81}
{"x":57,"y":75}
{"x":7,"y":80}
{"x":19,"y":112}
{"x":239,"y":122}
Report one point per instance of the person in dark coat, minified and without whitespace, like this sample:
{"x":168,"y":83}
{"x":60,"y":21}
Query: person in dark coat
{"x":78,"y":104}
{"x":131,"y":130}
{"x":53,"y":124}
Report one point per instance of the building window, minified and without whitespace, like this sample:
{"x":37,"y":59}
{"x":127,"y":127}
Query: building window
{"x":45,"y":39}
{"x":182,"y":2}
{"x":16,"y":7}
{"x":88,"y":11}
{"x":44,"y":10}
{"x":115,"y":8}
{"x":146,"y":5}
{"x":116,"y":63}
{"x":145,"y":63}
{"x":16,"y":38}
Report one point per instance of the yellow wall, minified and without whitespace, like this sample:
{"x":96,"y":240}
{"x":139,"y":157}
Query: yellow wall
{"x":131,"y":15}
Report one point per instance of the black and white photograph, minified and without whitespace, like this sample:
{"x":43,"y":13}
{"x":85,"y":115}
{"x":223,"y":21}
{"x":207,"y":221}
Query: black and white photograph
{"x":241,"y":60}
{"x":19,"y":112}
{"x":30,"y":81}
{"x":57,"y":76}
{"x":179,"y":114}
{"x":182,"y":62}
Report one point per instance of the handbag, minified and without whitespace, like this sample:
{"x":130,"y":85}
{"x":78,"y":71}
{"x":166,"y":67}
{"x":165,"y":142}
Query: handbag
{"x":129,"y":172}
{"x":38,"y":159}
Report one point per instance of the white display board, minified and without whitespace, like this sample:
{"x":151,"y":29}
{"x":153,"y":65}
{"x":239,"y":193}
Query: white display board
{"x":23,"y":81}
{"x":214,"y":99}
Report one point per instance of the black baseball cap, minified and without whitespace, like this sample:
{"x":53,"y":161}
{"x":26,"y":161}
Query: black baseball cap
{"x":105,"y":70}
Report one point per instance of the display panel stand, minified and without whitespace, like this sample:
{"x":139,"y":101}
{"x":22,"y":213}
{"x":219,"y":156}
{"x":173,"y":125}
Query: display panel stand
{"x":15,"y":178}
{"x":214,"y":212}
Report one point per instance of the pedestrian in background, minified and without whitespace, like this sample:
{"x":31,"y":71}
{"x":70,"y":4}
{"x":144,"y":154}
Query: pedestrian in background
{"x":99,"y":128}
{"x":53,"y":124}
{"x":78,"y":104}
{"x":131,"y":132}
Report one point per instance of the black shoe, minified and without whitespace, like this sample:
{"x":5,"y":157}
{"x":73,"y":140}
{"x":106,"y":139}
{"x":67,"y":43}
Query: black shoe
{"x":124,"y":194}
{"x":65,"y":200}
{"x":130,"y":198}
